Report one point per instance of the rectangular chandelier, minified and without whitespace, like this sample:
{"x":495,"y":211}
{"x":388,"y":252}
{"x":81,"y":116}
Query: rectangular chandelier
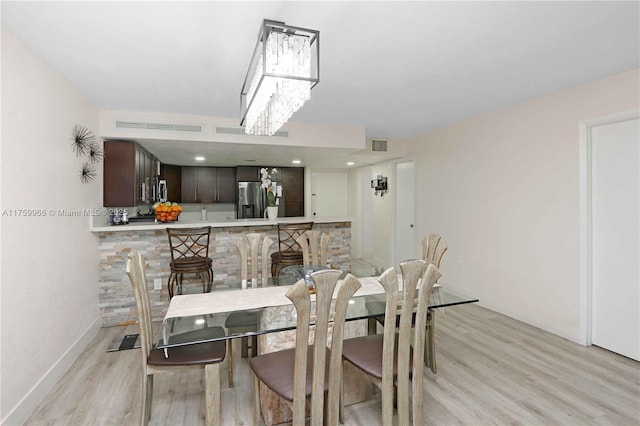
{"x":283,"y":70}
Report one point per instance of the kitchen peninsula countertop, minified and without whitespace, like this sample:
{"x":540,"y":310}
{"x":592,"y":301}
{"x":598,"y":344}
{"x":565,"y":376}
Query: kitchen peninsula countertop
{"x":150,"y":226}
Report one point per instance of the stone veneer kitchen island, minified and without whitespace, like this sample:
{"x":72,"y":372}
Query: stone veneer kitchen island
{"x":116,"y":300}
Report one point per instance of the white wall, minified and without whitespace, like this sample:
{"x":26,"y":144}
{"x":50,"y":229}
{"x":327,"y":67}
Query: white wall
{"x":381,"y":215}
{"x":49,"y":264}
{"x":502,"y":189}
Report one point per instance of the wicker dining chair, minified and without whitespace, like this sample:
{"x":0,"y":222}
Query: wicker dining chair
{"x":206,"y":356}
{"x":253,"y":249}
{"x":314,"y":246}
{"x":309,"y":371}
{"x":433,"y":248}
{"x":393,"y":359}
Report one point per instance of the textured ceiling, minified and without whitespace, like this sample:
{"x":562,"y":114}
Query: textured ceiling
{"x":395,"y":68}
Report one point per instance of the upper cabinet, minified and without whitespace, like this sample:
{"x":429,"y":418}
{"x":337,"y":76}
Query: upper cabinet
{"x":173,"y":176}
{"x":208,"y":185}
{"x":247,"y":174}
{"x":128,"y":172}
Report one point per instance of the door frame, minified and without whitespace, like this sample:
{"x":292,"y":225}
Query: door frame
{"x":586,"y":218}
{"x":393,"y":171}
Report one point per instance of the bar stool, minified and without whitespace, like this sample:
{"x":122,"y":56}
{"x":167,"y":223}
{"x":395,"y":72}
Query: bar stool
{"x":289,"y":251}
{"x":190,"y":255}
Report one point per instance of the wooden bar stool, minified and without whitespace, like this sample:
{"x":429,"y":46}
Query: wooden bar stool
{"x":190,"y":255}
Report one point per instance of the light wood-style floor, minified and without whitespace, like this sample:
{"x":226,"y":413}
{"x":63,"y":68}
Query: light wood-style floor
{"x":492,"y":370}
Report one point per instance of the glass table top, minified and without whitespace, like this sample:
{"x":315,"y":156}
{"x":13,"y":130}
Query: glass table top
{"x":199,"y":323}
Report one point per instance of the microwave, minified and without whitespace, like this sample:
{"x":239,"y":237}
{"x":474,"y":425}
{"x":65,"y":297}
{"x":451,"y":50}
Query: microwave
{"x":158,"y":190}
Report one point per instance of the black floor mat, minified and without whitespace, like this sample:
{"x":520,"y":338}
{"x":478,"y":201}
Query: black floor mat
{"x":121,"y":343}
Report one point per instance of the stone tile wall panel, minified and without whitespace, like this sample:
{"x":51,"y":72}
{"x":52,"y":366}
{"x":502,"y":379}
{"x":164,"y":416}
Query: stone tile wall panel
{"x":116,"y":301}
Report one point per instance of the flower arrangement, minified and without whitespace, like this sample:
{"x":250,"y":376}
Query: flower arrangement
{"x":266,"y":184}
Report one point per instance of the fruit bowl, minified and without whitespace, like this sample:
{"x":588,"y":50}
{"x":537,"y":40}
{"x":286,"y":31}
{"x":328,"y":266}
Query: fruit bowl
{"x":167,"y":212}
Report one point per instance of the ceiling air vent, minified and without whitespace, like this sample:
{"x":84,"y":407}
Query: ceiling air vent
{"x":379,"y":145}
{"x":130,"y":124}
{"x":159,"y":126}
{"x":188,"y":128}
{"x":240,"y":131}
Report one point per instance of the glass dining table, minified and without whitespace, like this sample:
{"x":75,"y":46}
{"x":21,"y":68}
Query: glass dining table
{"x":196,"y":318}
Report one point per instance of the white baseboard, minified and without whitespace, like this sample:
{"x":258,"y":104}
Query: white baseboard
{"x":21,"y":412}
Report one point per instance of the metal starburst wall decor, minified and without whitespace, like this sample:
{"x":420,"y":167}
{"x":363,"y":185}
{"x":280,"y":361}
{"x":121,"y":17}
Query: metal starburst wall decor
{"x":84,"y":143}
{"x":88,"y":173}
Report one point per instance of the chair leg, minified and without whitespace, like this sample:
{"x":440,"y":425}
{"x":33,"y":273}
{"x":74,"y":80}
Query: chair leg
{"x":212,"y":394}
{"x":432,"y":342}
{"x":230,"y":361}
{"x":204,"y":277}
{"x":254,"y":345}
{"x":143,"y":399}
{"x":256,"y":400}
{"x":245,"y":347}
{"x":170,"y":285}
{"x":341,"y":404}
{"x":372,"y":326}
{"x":149,"y":395}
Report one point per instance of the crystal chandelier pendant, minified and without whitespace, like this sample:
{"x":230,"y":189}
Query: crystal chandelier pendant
{"x":283,"y":70}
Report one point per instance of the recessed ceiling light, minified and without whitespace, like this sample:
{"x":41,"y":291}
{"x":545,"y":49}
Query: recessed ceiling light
{"x":199,"y":321}
{"x":296,"y":161}
{"x":350,"y":163}
{"x":199,"y":158}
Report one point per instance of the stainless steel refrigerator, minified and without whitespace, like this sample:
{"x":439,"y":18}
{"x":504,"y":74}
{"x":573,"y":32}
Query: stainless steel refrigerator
{"x":252,"y":201}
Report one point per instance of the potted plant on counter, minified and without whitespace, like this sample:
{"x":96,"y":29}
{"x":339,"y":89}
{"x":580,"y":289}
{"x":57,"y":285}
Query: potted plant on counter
{"x":272,"y":203}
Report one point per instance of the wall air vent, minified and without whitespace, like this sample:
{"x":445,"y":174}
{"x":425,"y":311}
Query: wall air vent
{"x":159,"y":126}
{"x":240,"y":131}
{"x":379,"y":145}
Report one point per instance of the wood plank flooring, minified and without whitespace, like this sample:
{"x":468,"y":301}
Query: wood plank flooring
{"x":492,"y":370}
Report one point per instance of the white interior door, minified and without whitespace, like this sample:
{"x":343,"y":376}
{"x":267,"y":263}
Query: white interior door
{"x":615,"y":209}
{"x":330,"y":194}
{"x":404,"y":206}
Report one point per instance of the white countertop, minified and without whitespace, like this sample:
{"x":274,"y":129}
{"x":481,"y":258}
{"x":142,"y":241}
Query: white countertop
{"x":151,"y":226}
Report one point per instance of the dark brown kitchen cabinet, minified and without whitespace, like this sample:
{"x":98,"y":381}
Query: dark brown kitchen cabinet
{"x":147,"y":167}
{"x":226,"y":184}
{"x":189,"y":185}
{"x":173,"y":176}
{"x":127,"y":166}
{"x":247,"y":174}
{"x":208,"y":185}
{"x":292,"y":179}
{"x":120,"y":174}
